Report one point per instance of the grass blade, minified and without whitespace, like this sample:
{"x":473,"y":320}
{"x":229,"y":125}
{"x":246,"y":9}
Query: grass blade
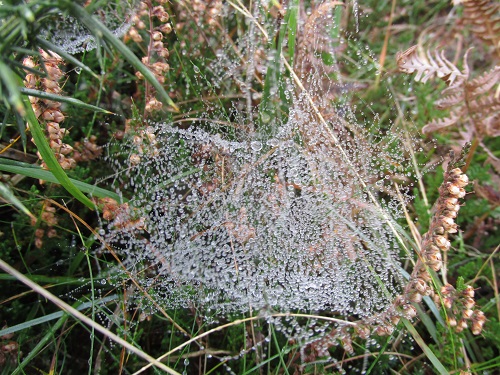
{"x":63,"y":99}
{"x":50,"y":159}
{"x":67,"y":57}
{"x":9,"y":81}
{"x":427,"y":351}
{"x":84,"y":319}
{"x":41,"y":174}
{"x":9,"y":196}
{"x":47,"y":318}
{"x":49,"y":335}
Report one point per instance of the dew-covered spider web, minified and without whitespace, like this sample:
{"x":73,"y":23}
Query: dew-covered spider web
{"x":281,"y":200}
{"x":67,"y":33}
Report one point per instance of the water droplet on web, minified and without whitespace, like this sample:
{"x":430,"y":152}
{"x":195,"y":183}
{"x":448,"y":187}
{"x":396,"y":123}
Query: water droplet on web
{"x":265,"y":117}
{"x":256,"y":145}
{"x":273,"y":142}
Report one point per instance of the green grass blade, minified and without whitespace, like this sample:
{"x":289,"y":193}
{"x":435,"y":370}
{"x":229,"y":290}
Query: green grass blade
{"x":102,"y":32}
{"x":47,"y":318}
{"x":84,"y":319}
{"x":48,"y":336}
{"x":66,"y":56}
{"x":63,"y":99}
{"x":7,"y":194}
{"x":379,"y":356}
{"x":7,"y":76}
{"x":428,"y":323}
{"x":269,"y":106}
{"x":41,"y":174}
{"x":50,"y":159}
{"x":293,"y":15}
{"x":53,"y":280}
{"x":427,"y":351}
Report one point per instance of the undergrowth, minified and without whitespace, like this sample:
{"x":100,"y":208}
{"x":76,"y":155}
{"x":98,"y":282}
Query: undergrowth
{"x":208,"y":187}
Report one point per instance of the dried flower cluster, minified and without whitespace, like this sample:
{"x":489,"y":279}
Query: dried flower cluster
{"x":119,"y":214}
{"x":87,"y":150}
{"x":9,"y":350}
{"x":157,"y":53}
{"x":202,"y":12}
{"x":48,"y":221}
{"x":48,"y":110}
{"x":459,"y":305}
{"x":434,"y":243}
{"x":443,"y":222}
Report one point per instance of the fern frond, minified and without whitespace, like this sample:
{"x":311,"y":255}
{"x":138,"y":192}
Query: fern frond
{"x":439,"y":124}
{"x":492,"y":125}
{"x":484,"y":17}
{"x":485,"y":105}
{"x":427,"y":66}
{"x":449,"y":101}
{"x":485,"y":82}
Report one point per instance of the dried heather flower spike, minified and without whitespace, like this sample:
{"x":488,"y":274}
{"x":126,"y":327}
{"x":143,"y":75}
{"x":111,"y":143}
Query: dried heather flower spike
{"x":452,"y":321}
{"x":156,"y":50}
{"x":435,"y":241}
{"x":469,"y":291}
{"x":49,"y":110}
{"x":442,"y":243}
{"x":448,"y":302}
{"x":415,"y":297}
{"x":455,"y":190}
{"x":448,"y":290}
{"x":448,"y":224}
{"x":478,"y":320}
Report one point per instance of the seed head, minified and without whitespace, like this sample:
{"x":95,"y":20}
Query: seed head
{"x":447,"y":290}
{"x":448,"y":302}
{"x":452,"y":321}
{"x":469,"y":291}
{"x":469,"y":303}
{"x":455,"y":190}
{"x":442,"y":243}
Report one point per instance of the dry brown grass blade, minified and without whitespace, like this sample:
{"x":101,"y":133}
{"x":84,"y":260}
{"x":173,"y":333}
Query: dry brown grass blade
{"x":383,"y":53}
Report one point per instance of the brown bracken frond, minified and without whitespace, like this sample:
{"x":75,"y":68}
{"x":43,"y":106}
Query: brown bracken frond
{"x":441,"y":123}
{"x":473,"y":100}
{"x":484,"y":18}
{"x":427,"y":66}
{"x":485,"y":82}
